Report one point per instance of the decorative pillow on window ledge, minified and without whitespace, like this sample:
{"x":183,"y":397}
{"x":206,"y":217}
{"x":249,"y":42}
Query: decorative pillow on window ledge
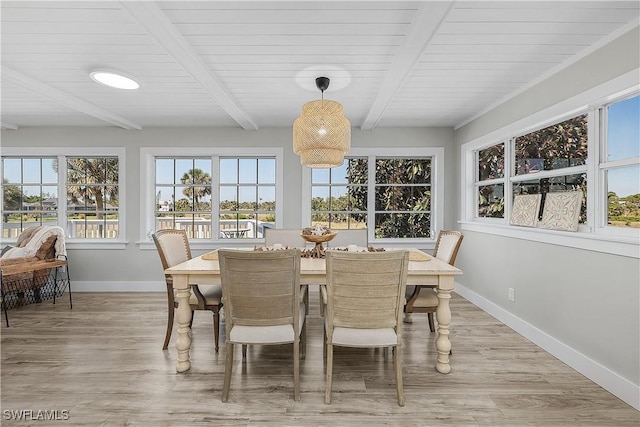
{"x":562,"y":211}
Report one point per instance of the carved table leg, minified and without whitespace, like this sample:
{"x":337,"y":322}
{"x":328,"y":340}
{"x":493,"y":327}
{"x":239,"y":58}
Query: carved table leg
{"x":183,"y":318}
{"x":443,"y":314}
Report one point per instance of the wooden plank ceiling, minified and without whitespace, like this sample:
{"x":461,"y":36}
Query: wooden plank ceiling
{"x":253,"y":64}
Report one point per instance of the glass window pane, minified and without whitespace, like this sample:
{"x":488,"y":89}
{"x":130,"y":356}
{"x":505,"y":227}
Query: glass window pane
{"x":164,"y":171}
{"x":31,"y":192}
{"x":76,"y":171}
{"x":491,"y":162}
{"x":527,"y":187}
{"x":49,"y":172}
{"x":184,"y":199}
{"x":228,"y":198}
{"x":111,"y":198}
{"x":358,"y":171}
{"x":31,"y":171}
{"x":266,"y":198}
{"x":111,"y":229}
{"x":418,"y":171}
{"x":228,"y":171}
{"x":12,"y":197}
{"x":420,"y":199}
{"x":339,"y":174}
{"x":338,"y":221}
{"x":236,"y":226}
{"x":97,"y":170}
{"x":95,"y":198}
{"x":248,"y":171}
{"x":164,"y":199}
{"x":111,"y":170}
{"x":12,"y":171}
{"x":407,"y":225}
{"x":267,"y":171}
{"x":183,"y":168}
{"x":204,"y":165}
{"x":339,"y":200}
{"x":390,"y":198}
{"x":388,"y":171}
{"x":491,"y":201}
{"x":319,"y":218}
{"x":623,"y":129}
{"x":357,"y":220}
{"x":320,"y":176}
{"x":247,"y":198}
{"x":357,"y":198}
{"x":623,"y":189}
{"x":554,"y":147}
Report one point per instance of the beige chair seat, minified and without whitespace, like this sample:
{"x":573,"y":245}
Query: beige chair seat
{"x":359,"y":337}
{"x":266,"y":334}
{"x":426,"y":298}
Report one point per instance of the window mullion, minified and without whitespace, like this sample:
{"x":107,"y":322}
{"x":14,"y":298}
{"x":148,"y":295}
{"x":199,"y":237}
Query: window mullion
{"x":371,"y":196}
{"x":62,"y":193}
{"x":509,"y":171}
{"x":573,"y":170}
{"x":215,"y":197}
{"x":596,"y":203}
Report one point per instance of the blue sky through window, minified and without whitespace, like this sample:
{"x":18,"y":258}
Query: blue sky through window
{"x":623,"y":139}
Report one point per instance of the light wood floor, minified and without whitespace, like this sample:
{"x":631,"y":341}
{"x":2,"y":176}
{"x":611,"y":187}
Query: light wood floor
{"x":102,"y":362}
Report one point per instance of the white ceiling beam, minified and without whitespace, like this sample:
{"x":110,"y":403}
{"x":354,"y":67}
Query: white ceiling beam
{"x":427,"y":21}
{"x":151,"y":17}
{"x":63,"y":98}
{"x":7,"y":126}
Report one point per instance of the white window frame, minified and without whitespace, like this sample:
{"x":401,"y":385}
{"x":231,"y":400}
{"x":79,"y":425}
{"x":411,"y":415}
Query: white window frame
{"x":62,"y":153}
{"x":147,"y":190}
{"x":493,"y":181}
{"x":594,"y":235}
{"x":437,"y":192}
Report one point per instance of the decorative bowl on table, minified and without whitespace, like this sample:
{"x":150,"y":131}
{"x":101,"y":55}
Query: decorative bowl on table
{"x":318,"y":235}
{"x":312,"y":238}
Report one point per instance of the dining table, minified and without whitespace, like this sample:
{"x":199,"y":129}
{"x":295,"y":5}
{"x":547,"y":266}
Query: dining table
{"x":423,"y":270}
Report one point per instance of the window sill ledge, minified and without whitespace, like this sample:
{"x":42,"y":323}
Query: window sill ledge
{"x":99,"y":244}
{"x":615,"y":245}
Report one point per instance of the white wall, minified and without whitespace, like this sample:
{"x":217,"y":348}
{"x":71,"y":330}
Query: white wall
{"x":140,"y":269}
{"x":583,"y":306}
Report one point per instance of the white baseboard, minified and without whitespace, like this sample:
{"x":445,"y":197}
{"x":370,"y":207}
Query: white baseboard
{"x":86,"y":286}
{"x":601,"y":375}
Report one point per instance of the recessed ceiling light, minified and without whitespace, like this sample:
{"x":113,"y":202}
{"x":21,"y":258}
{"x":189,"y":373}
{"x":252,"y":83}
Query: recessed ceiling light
{"x":112,"y":79}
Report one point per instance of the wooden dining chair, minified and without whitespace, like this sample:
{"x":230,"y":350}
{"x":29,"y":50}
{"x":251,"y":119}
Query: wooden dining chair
{"x":356,"y":236}
{"x":287,"y":237}
{"x":263,"y":304}
{"x":173,"y":248}
{"x":365,"y":295}
{"x":423,"y":299}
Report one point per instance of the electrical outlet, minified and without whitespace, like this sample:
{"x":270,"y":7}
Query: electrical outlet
{"x":512,"y":295}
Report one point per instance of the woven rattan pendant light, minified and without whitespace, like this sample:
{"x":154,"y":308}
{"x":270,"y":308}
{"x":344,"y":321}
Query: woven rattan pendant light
{"x":322,"y":134}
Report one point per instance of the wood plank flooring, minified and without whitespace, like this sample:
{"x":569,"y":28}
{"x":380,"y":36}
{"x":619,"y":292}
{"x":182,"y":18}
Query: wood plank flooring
{"x":103,"y":364}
